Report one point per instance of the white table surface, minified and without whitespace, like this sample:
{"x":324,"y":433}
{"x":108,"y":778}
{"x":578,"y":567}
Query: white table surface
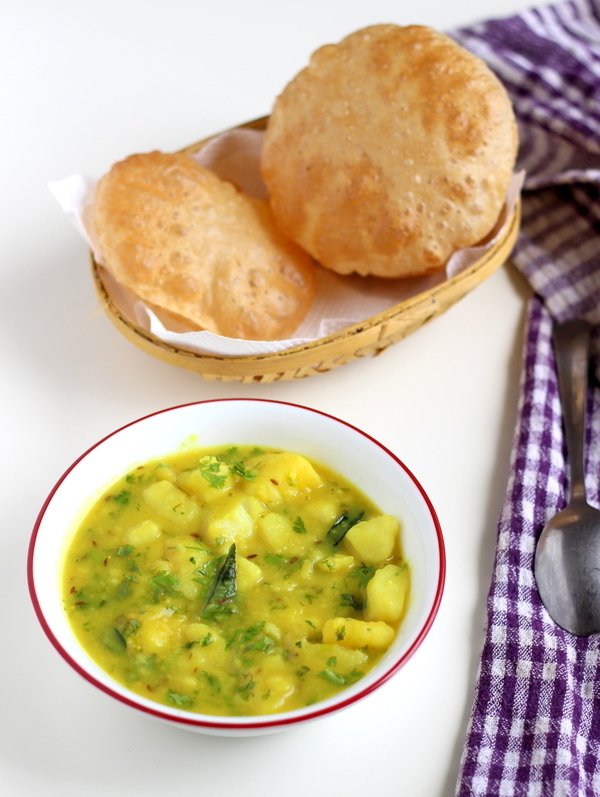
{"x":82,"y":84}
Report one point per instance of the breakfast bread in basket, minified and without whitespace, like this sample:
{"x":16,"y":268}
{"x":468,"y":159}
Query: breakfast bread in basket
{"x":196,"y":248}
{"x":389,"y":152}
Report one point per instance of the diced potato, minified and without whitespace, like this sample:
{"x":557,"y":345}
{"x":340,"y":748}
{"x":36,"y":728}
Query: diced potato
{"x":282,"y":476}
{"x":185,"y":558}
{"x":275,"y":691}
{"x":196,"y":632}
{"x":208,"y":650}
{"x":254,"y":507}
{"x":373,"y":541}
{"x":164,"y":471}
{"x":278,"y":534}
{"x":296,"y":624}
{"x":325,"y":511}
{"x":170,"y":503}
{"x":247,"y":573}
{"x":351,"y":633}
{"x":195,"y":483}
{"x":316,"y":655}
{"x":185,"y":554}
{"x":387,"y":593}
{"x":142,"y":533}
{"x":337,"y":563}
{"x":227,"y":523}
{"x":273,"y":684}
{"x":159,"y":631}
{"x":272,"y":630}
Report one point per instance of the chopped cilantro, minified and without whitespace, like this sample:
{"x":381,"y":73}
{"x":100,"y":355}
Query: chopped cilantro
{"x":333,"y":677}
{"x":211,"y":471}
{"x":239,"y":469}
{"x":298,"y":526}
{"x":124,"y":589}
{"x":164,"y":583}
{"x":275,"y":558}
{"x":352,"y":601}
{"x":179,"y":700}
{"x":125,"y":550}
{"x":213,"y":681}
{"x":263,"y":644}
{"x":364,"y":573}
{"x":95,"y":557}
{"x":244,"y":635}
{"x":122,"y":498}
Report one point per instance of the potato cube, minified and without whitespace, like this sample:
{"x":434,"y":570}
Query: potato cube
{"x":207,"y":647}
{"x":373,"y":541}
{"x":275,"y":690}
{"x":199,"y":632}
{"x":278,"y":534}
{"x":357,"y":634}
{"x":248,"y":573}
{"x":164,"y":471}
{"x":337,"y":563}
{"x":181,"y":512}
{"x":316,"y":655}
{"x":325,"y":511}
{"x":282,"y":476}
{"x":254,"y":507}
{"x":387,"y":593}
{"x":229,"y":522}
{"x":159,"y":631}
{"x":142,"y":533}
{"x":209,"y":481}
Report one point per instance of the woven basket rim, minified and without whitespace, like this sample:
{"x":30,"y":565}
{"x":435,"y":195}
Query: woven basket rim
{"x":347,"y":332}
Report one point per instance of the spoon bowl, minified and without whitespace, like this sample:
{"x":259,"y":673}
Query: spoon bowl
{"x":567,"y":557}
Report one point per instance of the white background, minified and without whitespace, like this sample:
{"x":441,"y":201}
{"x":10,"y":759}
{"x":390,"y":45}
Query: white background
{"x":83,"y":84}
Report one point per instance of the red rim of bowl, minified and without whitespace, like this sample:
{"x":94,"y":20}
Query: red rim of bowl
{"x":241,"y":723}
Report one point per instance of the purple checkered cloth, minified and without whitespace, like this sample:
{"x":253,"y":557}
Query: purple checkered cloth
{"x":535,"y":722}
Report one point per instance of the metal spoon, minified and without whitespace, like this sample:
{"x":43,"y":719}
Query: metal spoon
{"x":567,"y":557}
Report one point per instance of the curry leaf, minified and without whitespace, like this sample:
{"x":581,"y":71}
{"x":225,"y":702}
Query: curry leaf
{"x":222,"y":590}
{"x":343,"y":525}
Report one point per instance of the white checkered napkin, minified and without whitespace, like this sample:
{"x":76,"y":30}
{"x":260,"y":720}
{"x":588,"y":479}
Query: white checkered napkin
{"x":535,"y":722}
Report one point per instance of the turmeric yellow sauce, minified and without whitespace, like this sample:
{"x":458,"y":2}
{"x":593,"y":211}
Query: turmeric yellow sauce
{"x":236,"y":581}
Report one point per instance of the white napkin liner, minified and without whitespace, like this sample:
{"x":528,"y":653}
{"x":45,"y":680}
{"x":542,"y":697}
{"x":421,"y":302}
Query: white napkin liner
{"x":341,"y":301}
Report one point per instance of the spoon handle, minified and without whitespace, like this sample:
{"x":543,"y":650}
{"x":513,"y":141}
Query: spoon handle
{"x":571,"y":349}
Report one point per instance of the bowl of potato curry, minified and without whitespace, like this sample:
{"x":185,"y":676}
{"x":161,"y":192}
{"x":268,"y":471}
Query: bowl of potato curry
{"x":237,"y":566}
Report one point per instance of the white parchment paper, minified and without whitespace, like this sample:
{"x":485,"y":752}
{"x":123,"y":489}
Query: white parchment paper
{"x":341,"y":301}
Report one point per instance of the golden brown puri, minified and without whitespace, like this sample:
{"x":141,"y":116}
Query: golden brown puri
{"x":389,"y":152}
{"x":194,"y":246}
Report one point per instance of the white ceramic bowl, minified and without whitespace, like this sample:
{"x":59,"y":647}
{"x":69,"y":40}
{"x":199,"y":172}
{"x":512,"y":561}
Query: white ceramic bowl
{"x":367,"y":463}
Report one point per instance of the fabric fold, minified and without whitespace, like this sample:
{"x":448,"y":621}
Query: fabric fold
{"x":535,"y":722}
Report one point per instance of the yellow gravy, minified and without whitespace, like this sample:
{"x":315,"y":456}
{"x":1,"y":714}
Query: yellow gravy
{"x":235,"y":581}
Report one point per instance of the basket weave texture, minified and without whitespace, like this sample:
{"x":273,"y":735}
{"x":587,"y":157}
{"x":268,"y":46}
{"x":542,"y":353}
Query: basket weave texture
{"x":364,"y":339}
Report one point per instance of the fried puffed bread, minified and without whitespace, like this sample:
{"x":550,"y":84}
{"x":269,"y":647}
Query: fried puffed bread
{"x":389,"y":152}
{"x":194,"y":246}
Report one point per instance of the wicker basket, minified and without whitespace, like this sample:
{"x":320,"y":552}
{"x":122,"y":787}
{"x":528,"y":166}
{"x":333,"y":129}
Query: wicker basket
{"x":367,"y":338}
